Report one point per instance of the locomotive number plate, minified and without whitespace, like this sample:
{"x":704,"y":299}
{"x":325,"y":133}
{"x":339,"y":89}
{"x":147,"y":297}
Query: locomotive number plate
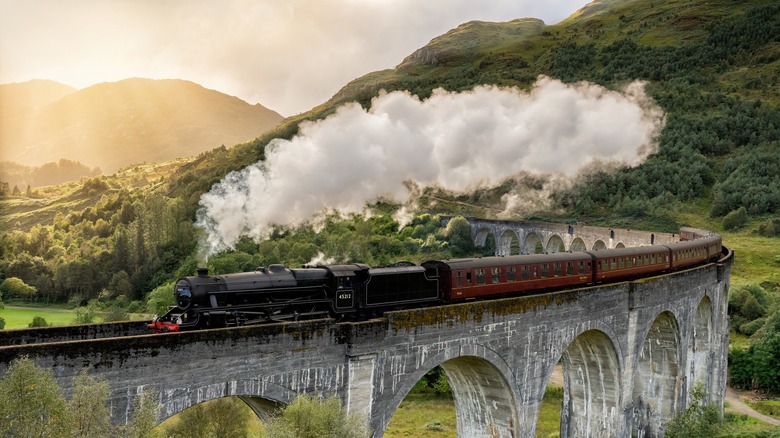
{"x":344,"y":299}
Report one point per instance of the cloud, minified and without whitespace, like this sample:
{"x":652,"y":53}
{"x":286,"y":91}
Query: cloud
{"x":287,"y":55}
{"x":456,"y":141}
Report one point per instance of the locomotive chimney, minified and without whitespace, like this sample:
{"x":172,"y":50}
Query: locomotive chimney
{"x":203,"y":272}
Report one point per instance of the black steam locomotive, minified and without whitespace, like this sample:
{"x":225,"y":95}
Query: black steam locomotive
{"x":277,"y":294}
{"x":357,"y":291}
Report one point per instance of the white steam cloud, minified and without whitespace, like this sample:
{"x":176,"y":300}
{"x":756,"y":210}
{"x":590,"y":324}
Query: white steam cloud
{"x":457,"y":141}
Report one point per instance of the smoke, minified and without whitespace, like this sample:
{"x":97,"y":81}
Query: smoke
{"x":319,"y":260}
{"x":456,"y":141}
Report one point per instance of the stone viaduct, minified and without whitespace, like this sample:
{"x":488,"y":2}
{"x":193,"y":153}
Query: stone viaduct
{"x":630,"y":353}
{"x":513,"y":237}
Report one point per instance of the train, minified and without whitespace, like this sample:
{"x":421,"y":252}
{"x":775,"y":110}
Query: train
{"x":355,"y":292}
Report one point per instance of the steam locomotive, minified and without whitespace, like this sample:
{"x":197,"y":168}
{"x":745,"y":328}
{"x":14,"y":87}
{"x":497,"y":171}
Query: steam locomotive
{"x":358,"y":291}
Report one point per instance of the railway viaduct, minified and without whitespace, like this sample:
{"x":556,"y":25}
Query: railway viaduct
{"x":631,"y":352}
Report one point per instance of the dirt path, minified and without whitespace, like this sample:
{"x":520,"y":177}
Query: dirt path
{"x":738,"y":405}
{"x":734,"y":397}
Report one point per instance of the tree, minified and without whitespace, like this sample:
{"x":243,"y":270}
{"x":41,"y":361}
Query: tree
{"x":310,"y":417}
{"x":160,"y":298}
{"x":144,"y":420}
{"x":766,"y":361}
{"x":120,"y":284}
{"x":31,"y":402}
{"x":736,"y":219}
{"x":90,"y":416}
{"x":459,"y":235}
{"x":224,"y":417}
{"x":15,"y":287}
{"x":700,"y":420}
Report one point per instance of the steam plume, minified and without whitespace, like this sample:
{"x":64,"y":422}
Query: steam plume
{"x":458,"y":141}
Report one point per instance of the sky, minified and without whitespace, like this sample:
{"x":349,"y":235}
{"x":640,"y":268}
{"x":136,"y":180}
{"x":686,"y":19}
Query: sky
{"x":288,"y":55}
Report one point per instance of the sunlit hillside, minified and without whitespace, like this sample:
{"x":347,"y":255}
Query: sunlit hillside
{"x":112,"y":125}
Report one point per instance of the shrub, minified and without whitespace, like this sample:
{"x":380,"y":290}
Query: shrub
{"x":770,"y":228}
{"x":750,"y":328}
{"x":699,"y":420}
{"x":735,"y":220}
{"x":310,"y":417}
{"x":38,"y":321}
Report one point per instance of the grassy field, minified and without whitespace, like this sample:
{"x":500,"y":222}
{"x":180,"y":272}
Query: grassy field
{"x":423,"y":415}
{"x":21,"y":318}
{"x":427,"y":415}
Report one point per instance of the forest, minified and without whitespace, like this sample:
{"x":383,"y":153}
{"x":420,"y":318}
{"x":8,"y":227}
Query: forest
{"x":118,"y":246}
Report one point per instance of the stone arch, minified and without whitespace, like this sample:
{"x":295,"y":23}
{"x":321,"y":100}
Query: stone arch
{"x":263,"y":397}
{"x":591,"y":379}
{"x":555,"y":244}
{"x":578,"y":245}
{"x":599,"y":244}
{"x":263,"y":408}
{"x":531,"y":243}
{"x":701,"y":346}
{"x":509,"y":243}
{"x":485,"y":403}
{"x":481,"y":237}
{"x":620,"y":245}
{"x":657,"y":377}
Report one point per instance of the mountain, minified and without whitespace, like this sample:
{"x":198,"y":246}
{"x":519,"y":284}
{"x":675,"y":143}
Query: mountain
{"x":19,"y":103}
{"x":30,"y":95}
{"x":112,"y":125}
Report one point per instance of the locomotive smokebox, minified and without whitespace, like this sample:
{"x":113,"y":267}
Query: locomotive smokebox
{"x":203,"y":272}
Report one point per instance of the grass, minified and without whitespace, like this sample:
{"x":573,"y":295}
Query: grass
{"x":549,"y":424}
{"x":742,"y":426}
{"x":21,"y":318}
{"x":423,"y":414}
{"x":767,"y":407}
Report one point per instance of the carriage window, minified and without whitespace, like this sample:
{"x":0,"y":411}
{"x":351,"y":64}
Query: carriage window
{"x":581,"y":268}
{"x":496,"y":275}
{"x":602,"y":266}
{"x":536,"y":272}
{"x":481,"y":279}
{"x":633,"y":262}
{"x":652,"y":259}
{"x":621,"y":262}
{"x":545,"y":270}
{"x":557,"y":269}
{"x":459,"y":279}
{"x":526,"y":273}
{"x":613,"y":264}
{"x":570,"y":268}
{"x":510,"y":274}
{"x":468,"y":277}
